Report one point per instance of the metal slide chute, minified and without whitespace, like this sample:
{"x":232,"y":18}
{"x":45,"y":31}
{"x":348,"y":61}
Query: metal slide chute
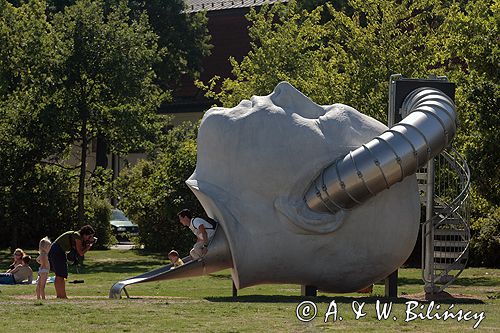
{"x":218,"y":258}
{"x":419,"y":143}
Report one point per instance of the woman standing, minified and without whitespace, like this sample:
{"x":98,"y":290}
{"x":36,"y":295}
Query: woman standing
{"x":81,"y":241}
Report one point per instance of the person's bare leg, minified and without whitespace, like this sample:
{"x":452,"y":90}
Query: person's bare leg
{"x":60,"y":286}
{"x":42,"y":280}
{"x":38,"y":296}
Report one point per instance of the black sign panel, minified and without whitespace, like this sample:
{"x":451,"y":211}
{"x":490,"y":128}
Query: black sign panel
{"x":405,"y":86}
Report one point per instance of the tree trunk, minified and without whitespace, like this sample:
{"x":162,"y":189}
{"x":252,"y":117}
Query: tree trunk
{"x":14,"y":234}
{"x":83,"y":169}
{"x":101,"y":156}
{"x":115,"y":168}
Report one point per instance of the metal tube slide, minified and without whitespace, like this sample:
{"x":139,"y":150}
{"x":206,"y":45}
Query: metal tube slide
{"x":427,"y":129}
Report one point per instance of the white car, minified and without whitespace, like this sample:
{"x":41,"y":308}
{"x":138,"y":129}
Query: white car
{"x":121,"y":225}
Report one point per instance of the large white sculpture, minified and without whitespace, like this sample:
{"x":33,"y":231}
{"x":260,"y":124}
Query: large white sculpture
{"x":255,"y":162}
{"x":314,"y":195}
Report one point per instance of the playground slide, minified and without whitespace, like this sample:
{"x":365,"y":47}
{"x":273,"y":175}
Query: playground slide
{"x":217,"y":258}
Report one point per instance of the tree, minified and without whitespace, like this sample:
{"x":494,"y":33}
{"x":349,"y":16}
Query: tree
{"x":485,"y":244}
{"x":63,"y":81}
{"x":183,"y":39}
{"x":470,"y":54}
{"x":29,"y":131}
{"x":183,"y":36}
{"x":347,"y":58}
{"x":107,"y":79}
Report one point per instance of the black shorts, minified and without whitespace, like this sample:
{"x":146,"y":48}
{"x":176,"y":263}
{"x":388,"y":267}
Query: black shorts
{"x":57,"y":259}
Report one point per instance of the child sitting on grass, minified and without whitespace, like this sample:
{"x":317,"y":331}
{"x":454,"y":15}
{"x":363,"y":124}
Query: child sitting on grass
{"x":174,"y":259}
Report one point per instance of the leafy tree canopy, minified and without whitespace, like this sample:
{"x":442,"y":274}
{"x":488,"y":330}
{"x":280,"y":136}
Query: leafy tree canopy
{"x":83,"y":72}
{"x":183,"y":37}
{"x":347,"y":53}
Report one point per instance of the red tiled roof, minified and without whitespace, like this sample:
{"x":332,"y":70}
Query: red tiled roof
{"x":213,"y":5}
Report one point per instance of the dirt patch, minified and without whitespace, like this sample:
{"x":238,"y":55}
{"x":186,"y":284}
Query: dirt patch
{"x":21,"y":299}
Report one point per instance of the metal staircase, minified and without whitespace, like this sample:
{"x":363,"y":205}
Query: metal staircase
{"x":444,"y":188}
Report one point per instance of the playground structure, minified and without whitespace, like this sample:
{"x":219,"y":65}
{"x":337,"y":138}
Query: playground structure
{"x":358,"y":218}
{"x":444,"y":192}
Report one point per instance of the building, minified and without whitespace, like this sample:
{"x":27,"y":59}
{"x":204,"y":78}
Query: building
{"x":228,"y":28}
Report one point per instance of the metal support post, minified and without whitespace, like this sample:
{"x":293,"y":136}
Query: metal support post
{"x":429,"y":231}
{"x":391,"y":284}
{"x":308,"y":291}
{"x":235,"y":291}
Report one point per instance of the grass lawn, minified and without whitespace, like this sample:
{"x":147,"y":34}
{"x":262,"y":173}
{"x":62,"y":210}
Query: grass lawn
{"x":205,"y":304}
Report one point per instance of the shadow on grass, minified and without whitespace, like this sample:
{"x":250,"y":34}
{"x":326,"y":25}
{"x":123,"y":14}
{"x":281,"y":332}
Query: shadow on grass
{"x":143,"y":261}
{"x":139,"y":252}
{"x":122,"y":268}
{"x":220,"y":276}
{"x":476,"y":281}
{"x":338,"y":299}
{"x":461,"y":281}
{"x":406,"y":281}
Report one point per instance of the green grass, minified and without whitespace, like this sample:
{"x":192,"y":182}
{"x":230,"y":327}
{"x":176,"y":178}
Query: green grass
{"x":205,"y":304}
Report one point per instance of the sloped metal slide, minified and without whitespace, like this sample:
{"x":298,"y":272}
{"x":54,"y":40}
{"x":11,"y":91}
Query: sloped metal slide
{"x":218,"y":257}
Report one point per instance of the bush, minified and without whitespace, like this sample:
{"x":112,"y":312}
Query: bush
{"x":43,"y":206}
{"x":485,"y":243}
{"x":153,"y":192}
{"x":98,"y":214}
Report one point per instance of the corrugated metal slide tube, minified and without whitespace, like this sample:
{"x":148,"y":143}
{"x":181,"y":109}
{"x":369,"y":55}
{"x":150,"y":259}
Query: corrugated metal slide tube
{"x":388,"y":158}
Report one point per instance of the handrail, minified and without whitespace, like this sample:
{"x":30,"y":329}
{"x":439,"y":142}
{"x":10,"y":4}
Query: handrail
{"x":452,"y":210}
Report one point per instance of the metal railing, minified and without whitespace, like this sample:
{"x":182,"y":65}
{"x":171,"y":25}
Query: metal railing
{"x":448,"y":228}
